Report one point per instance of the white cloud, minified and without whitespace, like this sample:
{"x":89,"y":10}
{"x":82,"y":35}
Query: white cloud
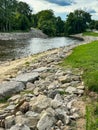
{"x":39,"y":5}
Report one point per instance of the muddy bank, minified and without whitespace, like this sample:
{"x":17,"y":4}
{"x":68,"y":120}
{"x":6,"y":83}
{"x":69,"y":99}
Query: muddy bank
{"x":34,"y":33}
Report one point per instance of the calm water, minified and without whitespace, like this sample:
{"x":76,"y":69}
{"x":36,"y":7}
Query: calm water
{"x":22,"y":48}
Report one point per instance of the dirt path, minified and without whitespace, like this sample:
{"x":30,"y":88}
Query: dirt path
{"x":11,"y":68}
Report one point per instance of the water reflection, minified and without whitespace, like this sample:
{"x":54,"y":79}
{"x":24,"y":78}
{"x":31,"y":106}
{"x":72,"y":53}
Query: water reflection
{"x":21,"y":48}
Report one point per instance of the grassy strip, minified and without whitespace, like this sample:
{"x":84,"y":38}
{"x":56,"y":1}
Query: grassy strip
{"x":90,"y":34}
{"x":85,"y":57}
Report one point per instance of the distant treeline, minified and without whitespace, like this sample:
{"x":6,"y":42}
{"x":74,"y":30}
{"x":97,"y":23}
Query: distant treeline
{"x":16,"y":16}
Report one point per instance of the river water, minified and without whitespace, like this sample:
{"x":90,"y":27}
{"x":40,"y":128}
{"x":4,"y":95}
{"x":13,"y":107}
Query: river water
{"x":21,"y":48}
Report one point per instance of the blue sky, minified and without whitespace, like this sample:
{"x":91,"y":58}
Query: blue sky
{"x":64,"y":7}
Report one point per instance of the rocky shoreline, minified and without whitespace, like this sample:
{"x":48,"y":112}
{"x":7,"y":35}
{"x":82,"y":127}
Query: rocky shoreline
{"x":47,"y":96}
{"x":44,"y":96}
{"x":34,"y":33}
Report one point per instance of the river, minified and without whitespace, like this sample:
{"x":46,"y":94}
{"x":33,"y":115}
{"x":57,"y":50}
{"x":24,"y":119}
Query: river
{"x":21,"y":48}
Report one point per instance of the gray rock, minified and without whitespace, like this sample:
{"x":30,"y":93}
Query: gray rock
{"x":32,"y":118}
{"x":30,"y":86}
{"x":41,"y":69}
{"x":61,"y":114}
{"x":10,"y":107}
{"x":46,"y":121}
{"x":15,"y":97}
{"x":9,"y":88}
{"x":65,"y":79}
{"x":80,"y":91}
{"x":58,"y":98}
{"x":74,"y":116}
{"x":39,"y":103}
{"x":20,"y":127}
{"x":21,"y":119}
{"x":54,"y":85}
{"x":36,"y":91}
{"x":70,"y":90}
{"x":55,"y":103}
{"x":52,"y":93}
{"x":27,"y":77}
{"x":9,"y":121}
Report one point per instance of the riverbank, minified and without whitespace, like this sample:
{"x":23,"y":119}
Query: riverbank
{"x":34,"y":33}
{"x":49,"y":96}
{"x":11,"y":68}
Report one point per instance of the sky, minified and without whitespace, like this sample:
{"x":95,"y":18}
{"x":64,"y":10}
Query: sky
{"x":64,"y":7}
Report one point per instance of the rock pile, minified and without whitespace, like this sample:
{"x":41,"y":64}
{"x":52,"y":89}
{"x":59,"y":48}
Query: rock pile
{"x":46,"y":99}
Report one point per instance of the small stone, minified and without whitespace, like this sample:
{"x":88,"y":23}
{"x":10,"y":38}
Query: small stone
{"x":58,"y":98}
{"x":59,"y":123}
{"x":36,"y":91}
{"x":81,"y":87}
{"x":33,"y":119}
{"x":74,"y":116}
{"x":15,"y":97}
{"x":24,"y":107}
{"x":9,"y":121}
{"x":55,"y":103}
{"x":70,"y":90}
{"x":30,"y":86}
{"x":39,"y":103}
{"x":18,"y":113}
{"x":52,"y":93}
{"x":80,"y":91}
{"x":41,"y":69}
{"x":20,"y":127}
{"x":10,"y":107}
{"x":46,"y":121}
{"x":65,"y":79}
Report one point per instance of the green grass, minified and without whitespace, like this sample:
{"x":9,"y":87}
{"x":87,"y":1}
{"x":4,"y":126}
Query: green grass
{"x":85,"y":57}
{"x":92,"y":116}
{"x":90,"y":34}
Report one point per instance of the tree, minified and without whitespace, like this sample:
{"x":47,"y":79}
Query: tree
{"x":47,"y":22}
{"x":59,"y":26}
{"x":10,"y":13}
{"x":77,"y":22}
{"x":92,"y":24}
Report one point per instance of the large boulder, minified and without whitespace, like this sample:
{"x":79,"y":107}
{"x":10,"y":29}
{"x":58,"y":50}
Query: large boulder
{"x":27,"y":77}
{"x":9,"y":88}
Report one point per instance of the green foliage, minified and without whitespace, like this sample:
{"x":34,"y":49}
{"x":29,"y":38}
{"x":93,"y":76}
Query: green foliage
{"x":48,"y":23}
{"x":13,"y":14}
{"x":85,"y":57}
{"x":77,"y":22}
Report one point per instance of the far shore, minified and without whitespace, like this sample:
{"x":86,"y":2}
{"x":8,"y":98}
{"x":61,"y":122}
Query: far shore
{"x":34,"y":33}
